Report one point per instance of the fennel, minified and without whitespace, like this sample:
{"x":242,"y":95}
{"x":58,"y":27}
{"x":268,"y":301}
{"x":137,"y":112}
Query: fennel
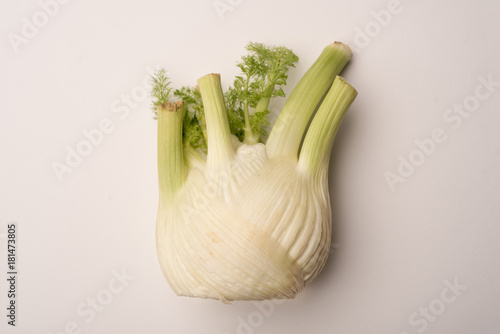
{"x":251,"y":221}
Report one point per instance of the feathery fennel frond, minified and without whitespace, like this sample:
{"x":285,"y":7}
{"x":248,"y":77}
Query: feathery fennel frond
{"x":161,"y":90}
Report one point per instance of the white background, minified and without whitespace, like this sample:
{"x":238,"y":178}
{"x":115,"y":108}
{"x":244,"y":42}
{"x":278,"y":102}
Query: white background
{"x":394,"y":249}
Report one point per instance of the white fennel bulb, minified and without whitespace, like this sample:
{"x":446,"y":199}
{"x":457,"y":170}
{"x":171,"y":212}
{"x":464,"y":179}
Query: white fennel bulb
{"x":252,"y":221}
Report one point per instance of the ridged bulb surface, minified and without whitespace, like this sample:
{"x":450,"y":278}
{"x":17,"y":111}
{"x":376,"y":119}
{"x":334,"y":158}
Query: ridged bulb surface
{"x":255,"y":229}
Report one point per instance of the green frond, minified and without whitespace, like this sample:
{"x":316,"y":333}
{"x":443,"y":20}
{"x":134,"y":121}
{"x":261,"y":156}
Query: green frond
{"x":194,"y":126}
{"x":264,"y":73}
{"x":161,"y":92}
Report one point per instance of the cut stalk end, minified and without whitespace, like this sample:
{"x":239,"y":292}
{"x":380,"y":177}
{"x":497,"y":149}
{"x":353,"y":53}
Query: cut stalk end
{"x":341,"y":46}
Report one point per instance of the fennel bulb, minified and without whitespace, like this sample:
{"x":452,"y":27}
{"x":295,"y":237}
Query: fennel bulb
{"x":252,"y":221}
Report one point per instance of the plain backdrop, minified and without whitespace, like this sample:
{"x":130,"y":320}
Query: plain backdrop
{"x":397,"y":248}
